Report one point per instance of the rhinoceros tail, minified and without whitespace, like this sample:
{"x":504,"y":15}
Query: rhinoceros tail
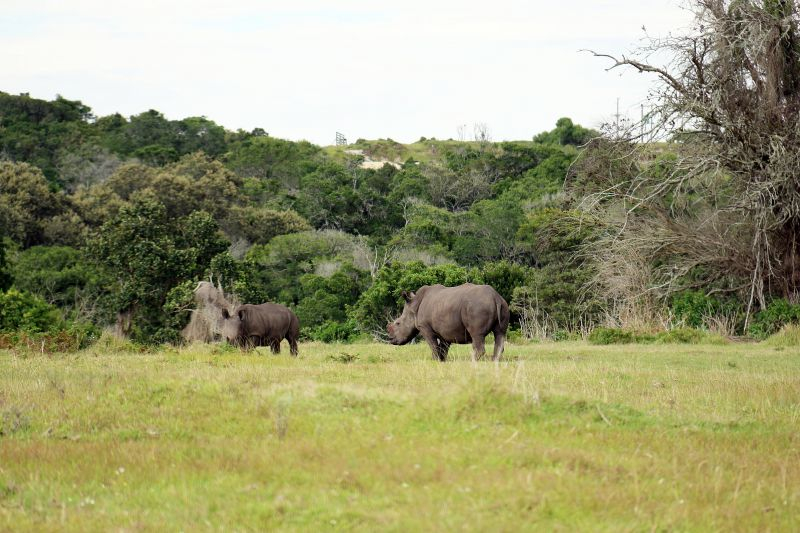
{"x":503,"y":314}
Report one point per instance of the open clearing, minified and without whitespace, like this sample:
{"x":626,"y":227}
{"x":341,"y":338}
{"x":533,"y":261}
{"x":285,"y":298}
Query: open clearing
{"x":367,"y":437}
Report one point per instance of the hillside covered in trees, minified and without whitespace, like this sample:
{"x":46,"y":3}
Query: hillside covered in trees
{"x":112,"y":221}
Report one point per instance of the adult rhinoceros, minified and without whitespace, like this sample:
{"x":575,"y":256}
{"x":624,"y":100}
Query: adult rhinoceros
{"x":261,"y":325}
{"x":447,"y":315}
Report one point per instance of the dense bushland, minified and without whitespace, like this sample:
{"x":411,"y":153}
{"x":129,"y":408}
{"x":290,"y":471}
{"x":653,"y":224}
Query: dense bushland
{"x":111,"y":220}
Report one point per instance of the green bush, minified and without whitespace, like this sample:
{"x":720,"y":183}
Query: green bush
{"x":672,"y":336}
{"x":693,"y":308}
{"x":610,"y":336}
{"x":680,"y":336}
{"x":21,"y":311}
{"x":70,"y":339}
{"x":335,"y":331}
{"x":6,"y":278}
{"x":770,"y":320}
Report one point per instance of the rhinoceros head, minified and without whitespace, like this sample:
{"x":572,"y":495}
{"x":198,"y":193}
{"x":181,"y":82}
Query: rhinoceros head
{"x":233,"y":326}
{"x":404,"y":328}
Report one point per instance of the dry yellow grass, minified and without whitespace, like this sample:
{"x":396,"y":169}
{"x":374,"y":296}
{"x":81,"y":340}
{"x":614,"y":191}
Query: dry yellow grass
{"x":369,"y":437}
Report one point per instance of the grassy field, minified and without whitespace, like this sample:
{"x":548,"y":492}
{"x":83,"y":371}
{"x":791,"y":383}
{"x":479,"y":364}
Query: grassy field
{"x":562,"y":437}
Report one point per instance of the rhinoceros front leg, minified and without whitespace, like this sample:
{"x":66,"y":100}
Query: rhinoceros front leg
{"x":438,"y":347}
{"x":275,"y":345}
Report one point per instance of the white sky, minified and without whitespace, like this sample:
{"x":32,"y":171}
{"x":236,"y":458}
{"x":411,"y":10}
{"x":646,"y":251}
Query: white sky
{"x":305,"y":69}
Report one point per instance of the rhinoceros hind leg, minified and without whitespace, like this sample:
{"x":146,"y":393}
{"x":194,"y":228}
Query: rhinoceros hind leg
{"x":478,"y":347}
{"x":499,"y":345}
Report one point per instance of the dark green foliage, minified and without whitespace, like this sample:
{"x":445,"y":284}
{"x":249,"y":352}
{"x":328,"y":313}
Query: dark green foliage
{"x":566,"y":133}
{"x":177,"y":308}
{"x":672,"y":336}
{"x":505,"y":276}
{"x":30,"y":212}
{"x":62,"y":275}
{"x":258,"y":225}
{"x":156,"y":155}
{"x":326,"y":299}
{"x":149,"y":253}
{"x":778,"y":313}
{"x":270,"y":159}
{"x":33,"y":130}
{"x":198,"y":134}
{"x":693,"y":308}
{"x":225,"y":270}
{"x":552,"y":238}
{"x":328,"y":199}
{"x":335,"y":331}
{"x":6,"y":279}
{"x":279,"y":265}
{"x":156,"y":141}
{"x":21,"y":311}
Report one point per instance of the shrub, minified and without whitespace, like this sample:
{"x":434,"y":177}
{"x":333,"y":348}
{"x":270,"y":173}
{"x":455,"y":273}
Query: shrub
{"x":695,"y":308}
{"x":335,"y":331}
{"x":21,"y":311}
{"x":672,"y":336}
{"x":71,"y":339}
{"x":610,"y":336}
{"x":680,"y":336}
{"x":776,"y":315}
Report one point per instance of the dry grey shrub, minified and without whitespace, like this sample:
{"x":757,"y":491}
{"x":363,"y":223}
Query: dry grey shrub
{"x":205,"y":324}
{"x":728,"y":206}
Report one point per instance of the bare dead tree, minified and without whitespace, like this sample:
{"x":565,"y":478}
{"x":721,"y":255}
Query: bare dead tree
{"x":728,"y":91}
{"x":481,"y":133}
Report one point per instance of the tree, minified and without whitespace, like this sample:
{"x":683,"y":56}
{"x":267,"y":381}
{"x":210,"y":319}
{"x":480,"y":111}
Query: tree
{"x":726,"y":213}
{"x":149,"y":253}
{"x":33,"y":130}
{"x":328,"y":200}
{"x":61,"y":275}
{"x":269,"y":158}
{"x":258,"y":225}
{"x":553,"y":292}
{"x":566,"y":133}
{"x":85,"y":166}
{"x":5,"y":275}
{"x":457,"y":190}
{"x":28,"y":206}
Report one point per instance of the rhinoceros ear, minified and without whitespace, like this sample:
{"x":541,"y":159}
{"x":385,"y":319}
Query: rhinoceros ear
{"x":225,"y":314}
{"x":241,"y":314}
{"x":408,"y":296}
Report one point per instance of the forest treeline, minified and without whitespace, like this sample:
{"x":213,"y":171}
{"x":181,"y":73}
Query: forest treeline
{"x":112,"y":221}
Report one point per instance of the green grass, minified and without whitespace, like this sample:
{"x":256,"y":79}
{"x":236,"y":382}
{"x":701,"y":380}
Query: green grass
{"x":367,"y":437}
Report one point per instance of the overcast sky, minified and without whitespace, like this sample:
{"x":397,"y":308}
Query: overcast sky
{"x":304,"y":69}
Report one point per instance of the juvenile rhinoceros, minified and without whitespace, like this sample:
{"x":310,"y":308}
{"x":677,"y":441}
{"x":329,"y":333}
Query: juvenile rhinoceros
{"x":447,"y":315}
{"x":261,"y":325}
